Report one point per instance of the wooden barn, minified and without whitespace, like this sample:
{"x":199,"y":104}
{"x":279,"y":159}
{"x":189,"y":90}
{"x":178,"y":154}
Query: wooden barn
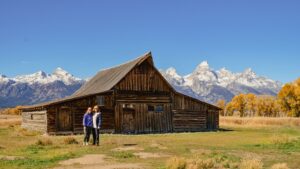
{"x":134,"y":97}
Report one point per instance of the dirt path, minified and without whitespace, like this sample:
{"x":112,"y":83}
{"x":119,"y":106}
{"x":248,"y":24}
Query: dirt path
{"x":150,"y":155}
{"x":96,"y":161}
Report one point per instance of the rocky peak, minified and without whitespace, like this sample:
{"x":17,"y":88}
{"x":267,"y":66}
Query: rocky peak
{"x":203,"y":66}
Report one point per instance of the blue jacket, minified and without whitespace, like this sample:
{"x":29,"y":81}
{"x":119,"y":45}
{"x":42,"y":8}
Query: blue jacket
{"x":87,"y":120}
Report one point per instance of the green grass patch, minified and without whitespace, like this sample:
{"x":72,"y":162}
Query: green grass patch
{"x":37,"y":163}
{"x":122,"y":155}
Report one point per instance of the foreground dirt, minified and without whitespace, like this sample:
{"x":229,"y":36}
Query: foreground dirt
{"x":96,"y":161}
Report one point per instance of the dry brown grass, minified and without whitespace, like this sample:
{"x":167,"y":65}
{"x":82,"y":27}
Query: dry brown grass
{"x":201,"y":164}
{"x":251,"y":164}
{"x":70,"y":140}
{"x":196,"y":162}
{"x":11,"y":111}
{"x":280,"y":166}
{"x":24,"y":132}
{"x":259,"y":121}
{"x":176,"y":163}
{"x":44,"y":142}
{"x":282,"y":139}
{"x":10,"y":120}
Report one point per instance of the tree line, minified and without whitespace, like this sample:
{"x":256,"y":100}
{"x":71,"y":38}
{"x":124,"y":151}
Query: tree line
{"x":286,"y":103}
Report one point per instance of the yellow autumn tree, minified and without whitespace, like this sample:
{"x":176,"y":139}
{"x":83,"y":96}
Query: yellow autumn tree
{"x":222,"y":104}
{"x":12,"y":111}
{"x":289,"y":98}
{"x":238,"y":103}
{"x":229,"y":109}
{"x":267,"y":106}
{"x":250,"y":104}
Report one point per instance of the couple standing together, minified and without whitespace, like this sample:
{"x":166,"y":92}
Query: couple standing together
{"x":92,"y":124}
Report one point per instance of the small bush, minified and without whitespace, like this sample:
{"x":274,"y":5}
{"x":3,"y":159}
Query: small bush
{"x":44,"y":142}
{"x":251,"y":164}
{"x":176,"y":163}
{"x":280,"y":166}
{"x":70,"y":140}
{"x":201,"y":164}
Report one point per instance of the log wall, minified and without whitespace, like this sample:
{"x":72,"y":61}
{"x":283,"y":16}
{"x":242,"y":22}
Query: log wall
{"x":190,"y":114}
{"x":78,"y":108}
{"x":35,"y":120}
{"x":145,"y":121}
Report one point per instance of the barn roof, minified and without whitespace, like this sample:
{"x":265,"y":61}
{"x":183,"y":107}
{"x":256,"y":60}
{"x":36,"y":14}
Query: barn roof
{"x":105,"y":80}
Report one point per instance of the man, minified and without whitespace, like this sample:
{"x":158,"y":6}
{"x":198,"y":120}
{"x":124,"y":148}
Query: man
{"x":96,"y":125}
{"x":87,"y":123}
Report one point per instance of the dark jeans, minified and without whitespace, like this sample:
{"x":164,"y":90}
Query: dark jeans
{"x":96,"y":136}
{"x":87,"y":133}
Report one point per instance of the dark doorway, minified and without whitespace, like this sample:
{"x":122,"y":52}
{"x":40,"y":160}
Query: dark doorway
{"x":128,"y":120}
{"x":65,"y":119}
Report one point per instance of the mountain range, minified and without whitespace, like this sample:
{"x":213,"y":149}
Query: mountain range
{"x":203,"y":83}
{"x":37,"y":87}
{"x":209,"y":85}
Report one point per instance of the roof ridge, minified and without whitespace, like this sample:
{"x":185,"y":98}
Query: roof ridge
{"x":137,"y":58}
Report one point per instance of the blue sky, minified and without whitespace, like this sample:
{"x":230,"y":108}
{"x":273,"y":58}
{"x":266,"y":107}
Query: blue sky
{"x":86,"y":36}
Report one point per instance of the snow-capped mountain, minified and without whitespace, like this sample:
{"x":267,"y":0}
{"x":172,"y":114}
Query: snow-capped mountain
{"x":203,"y":83}
{"x":42,"y":78}
{"x":209,"y":85}
{"x":37,"y":87}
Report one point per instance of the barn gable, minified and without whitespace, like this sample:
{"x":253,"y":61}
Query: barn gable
{"x":144,"y":78}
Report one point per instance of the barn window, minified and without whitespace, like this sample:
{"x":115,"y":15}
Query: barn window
{"x":100,"y":100}
{"x":130,"y":106}
{"x":159,"y":108}
{"x":150,"y":108}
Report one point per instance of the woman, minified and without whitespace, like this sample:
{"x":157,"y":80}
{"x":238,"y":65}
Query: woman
{"x":96,"y":125}
{"x":87,"y":125}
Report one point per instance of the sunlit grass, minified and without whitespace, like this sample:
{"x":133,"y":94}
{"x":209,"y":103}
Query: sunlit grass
{"x":270,"y":145}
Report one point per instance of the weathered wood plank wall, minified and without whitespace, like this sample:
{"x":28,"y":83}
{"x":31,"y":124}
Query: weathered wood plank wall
{"x":143,"y":78}
{"x":188,"y":114}
{"x":145,"y":121}
{"x":35,"y":120}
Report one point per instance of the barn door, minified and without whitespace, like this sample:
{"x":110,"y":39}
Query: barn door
{"x":128,"y":125}
{"x":65,"y":119}
{"x":210,"y":120}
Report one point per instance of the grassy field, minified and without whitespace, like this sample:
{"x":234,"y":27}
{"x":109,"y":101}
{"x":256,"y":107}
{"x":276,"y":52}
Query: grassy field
{"x":238,"y":145}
